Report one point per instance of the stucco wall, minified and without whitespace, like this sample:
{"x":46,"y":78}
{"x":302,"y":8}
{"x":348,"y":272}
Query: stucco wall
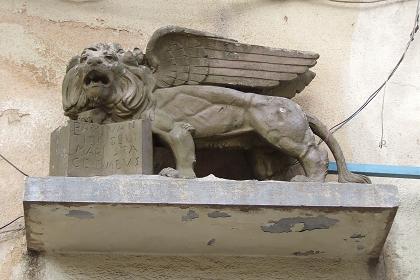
{"x":358,"y":44}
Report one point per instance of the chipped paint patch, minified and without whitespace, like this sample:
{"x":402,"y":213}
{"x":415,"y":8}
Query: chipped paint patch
{"x":211,"y":242}
{"x":307,"y":253}
{"x":357,"y":236}
{"x":191,"y":215}
{"x":80,"y":214}
{"x":218,"y":214}
{"x":13,"y":115}
{"x":298,"y":224}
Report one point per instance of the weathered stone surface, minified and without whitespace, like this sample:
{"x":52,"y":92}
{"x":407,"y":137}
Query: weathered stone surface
{"x":89,"y":149}
{"x":143,"y":214}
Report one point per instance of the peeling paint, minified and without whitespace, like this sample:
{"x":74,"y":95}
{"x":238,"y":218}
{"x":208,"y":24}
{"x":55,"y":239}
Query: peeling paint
{"x":80,"y":214}
{"x":191,"y":215}
{"x":13,"y":115}
{"x":308,"y":253}
{"x":91,"y":26}
{"x":218,"y":214}
{"x":211,"y":242}
{"x":298,"y":224}
{"x":358,"y":235}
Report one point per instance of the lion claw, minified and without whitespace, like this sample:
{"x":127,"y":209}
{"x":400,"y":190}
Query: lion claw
{"x":173,"y":173}
{"x":169,"y":172}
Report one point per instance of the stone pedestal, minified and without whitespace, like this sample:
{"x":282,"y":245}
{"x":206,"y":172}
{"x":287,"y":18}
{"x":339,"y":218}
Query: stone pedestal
{"x":89,"y":149}
{"x":157,"y":215}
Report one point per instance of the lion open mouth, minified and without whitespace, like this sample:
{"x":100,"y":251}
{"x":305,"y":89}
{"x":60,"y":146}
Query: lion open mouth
{"x":96,"y":79}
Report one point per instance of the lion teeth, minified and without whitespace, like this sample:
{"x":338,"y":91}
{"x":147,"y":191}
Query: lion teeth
{"x":95,"y":77}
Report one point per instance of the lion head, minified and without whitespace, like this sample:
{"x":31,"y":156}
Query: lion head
{"x":107,"y":77}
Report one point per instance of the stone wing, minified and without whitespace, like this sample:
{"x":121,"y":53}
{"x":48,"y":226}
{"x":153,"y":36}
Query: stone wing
{"x":181,"y":56}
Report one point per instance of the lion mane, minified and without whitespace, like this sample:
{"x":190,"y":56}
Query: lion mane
{"x":131,"y":88}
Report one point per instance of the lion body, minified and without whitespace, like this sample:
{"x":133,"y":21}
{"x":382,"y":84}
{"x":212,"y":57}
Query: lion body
{"x":222,"y":112}
{"x":185,"y":115}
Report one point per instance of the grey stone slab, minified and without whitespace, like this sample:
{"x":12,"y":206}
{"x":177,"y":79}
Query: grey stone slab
{"x":89,"y":149}
{"x":161,"y":190}
{"x":149,"y":214}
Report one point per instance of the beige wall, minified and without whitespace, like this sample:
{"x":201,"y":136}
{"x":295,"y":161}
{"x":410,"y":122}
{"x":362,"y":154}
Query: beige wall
{"x":358,"y":45}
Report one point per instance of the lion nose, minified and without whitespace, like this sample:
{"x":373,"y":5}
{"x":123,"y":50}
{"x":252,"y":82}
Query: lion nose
{"x":93,"y":61}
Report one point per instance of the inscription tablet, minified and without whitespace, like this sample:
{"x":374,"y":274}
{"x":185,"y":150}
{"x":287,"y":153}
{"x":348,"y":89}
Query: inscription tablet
{"x":89,"y":149}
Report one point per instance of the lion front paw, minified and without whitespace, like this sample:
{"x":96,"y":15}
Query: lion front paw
{"x":169,"y":172}
{"x":173,"y":173}
{"x":93,"y":116}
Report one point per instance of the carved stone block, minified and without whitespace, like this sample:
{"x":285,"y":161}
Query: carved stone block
{"x":89,"y":149}
{"x":200,"y":90}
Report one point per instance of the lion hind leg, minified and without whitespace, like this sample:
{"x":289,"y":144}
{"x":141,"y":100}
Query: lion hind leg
{"x":349,"y":177}
{"x":283,"y":124}
{"x":315,"y":164}
{"x":313,"y":160}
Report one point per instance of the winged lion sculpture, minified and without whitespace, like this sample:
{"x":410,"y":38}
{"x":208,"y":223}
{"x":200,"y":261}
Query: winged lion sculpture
{"x":199,"y":89}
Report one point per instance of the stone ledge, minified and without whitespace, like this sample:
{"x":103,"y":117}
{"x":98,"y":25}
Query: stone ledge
{"x":156,"y":215}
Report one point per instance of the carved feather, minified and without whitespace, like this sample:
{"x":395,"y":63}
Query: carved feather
{"x":184,"y":56}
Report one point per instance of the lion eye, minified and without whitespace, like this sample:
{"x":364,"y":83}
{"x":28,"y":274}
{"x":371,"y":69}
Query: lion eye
{"x":110,"y":57}
{"x":83,"y":58}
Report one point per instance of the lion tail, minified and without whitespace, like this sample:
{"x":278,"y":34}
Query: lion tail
{"x":344,"y":175}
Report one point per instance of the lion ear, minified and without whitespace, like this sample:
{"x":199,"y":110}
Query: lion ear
{"x":73,"y":62}
{"x":139,"y":55}
{"x":129,"y":59}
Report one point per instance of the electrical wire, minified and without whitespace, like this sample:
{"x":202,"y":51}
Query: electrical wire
{"x":382,"y":142}
{"x":12,"y":230}
{"x":17,"y":168}
{"x":358,"y":2}
{"x":11,"y":222}
{"x":339,"y":125}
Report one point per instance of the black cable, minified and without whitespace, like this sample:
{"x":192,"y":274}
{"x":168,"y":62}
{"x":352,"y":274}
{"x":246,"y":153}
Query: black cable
{"x":375,"y":93}
{"x":12,"y":230}
{"x":382,"y":142}
{"x":17,"y":168}
{"x":358,"y":2}
{"x":9,"y":223}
